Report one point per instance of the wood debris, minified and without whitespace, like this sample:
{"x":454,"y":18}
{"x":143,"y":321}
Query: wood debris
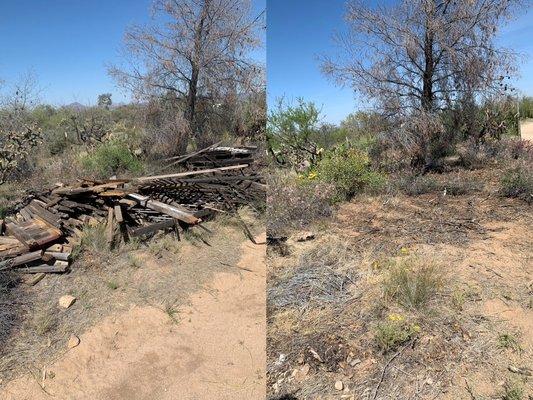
{"x":38,"y":236}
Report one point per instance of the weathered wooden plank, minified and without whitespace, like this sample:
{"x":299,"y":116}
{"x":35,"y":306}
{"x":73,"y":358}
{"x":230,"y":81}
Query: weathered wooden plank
{"x":37,"y":210}
{"x":173,"y":211}
{"x":149,"y":229}
{"x":36,"y":279}
{"x":55,"y":248}
{"x":58,"y":255}
{"x":20,"y":260}
{"x":118,"y":214}
{"x":43,"y":268}
{"x":189,"y":173}
{"x":110,"y":225}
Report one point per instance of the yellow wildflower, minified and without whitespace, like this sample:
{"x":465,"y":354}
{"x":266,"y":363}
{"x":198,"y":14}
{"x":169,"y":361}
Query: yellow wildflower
{"x":396,"y":317}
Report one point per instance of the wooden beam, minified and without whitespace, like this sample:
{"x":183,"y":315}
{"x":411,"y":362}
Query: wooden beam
{"x":22,"y":259}
{"x":189,"y":173}
{"x":149,"y":229}
{"x":118,"y":214}
{"x":110,"y":225}
{"x":163,"y":208}
{"x":37,"y":269}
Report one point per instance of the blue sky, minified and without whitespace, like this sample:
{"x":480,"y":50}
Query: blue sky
{"x":67,"y":44}
{"x":300,"y":30}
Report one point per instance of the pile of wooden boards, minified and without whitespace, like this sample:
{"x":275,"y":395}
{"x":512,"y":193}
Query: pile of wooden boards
{"x":44,"y":228}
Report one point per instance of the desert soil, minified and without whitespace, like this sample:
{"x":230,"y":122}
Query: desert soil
{"x":526,"y":129}
{"x":213,"y":348}
{"x":482,"y":245}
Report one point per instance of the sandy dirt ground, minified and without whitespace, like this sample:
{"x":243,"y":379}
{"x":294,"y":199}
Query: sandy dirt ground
{"x":526,"y":129}
{"x":214,"y":349}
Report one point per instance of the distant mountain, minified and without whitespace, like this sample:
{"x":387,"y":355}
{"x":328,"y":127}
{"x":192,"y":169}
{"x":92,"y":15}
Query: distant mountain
{"x":76,"y":106}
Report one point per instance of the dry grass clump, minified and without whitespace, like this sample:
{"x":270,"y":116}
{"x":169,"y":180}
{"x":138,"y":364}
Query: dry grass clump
{"x":411,"y":282}
{"x":321,"y":278}
{"x":9,"y":305}
{"x":94,"y":238}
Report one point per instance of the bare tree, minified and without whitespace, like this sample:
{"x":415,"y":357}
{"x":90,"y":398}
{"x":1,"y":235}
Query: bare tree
{"x":198,"y":51}
{"x":423,"y":54}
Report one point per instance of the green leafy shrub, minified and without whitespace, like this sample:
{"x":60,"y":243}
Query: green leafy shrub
{"x":349,"y":170}
{"x":291,"y":133}
{"x":393,"y":332}
{"x":518,"y":182}
{"x":110,"y":158}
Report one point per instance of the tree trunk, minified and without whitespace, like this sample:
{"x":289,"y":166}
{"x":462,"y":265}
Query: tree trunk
{"x":427,"y":77}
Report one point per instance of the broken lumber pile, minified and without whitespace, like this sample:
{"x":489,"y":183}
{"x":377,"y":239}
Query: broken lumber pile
{"x":39,"y":236}
{"x":216,"y":156}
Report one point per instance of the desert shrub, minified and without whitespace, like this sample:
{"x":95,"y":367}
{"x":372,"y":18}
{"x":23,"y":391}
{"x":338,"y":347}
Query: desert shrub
{"x":526,"y":107}
{"x":509,"y":341}
{"x":411,"y":282}
{"x":15,"y":147}
{"x":515,"y":149}
{"x":513,"y":391}
{"x":423,"y":139}
{"x":294,"y":202}
{"x":518,"y":182}
{"x":291,"y":133}
{"x":387,"y":156}
{"x":393,"y":332}
{"x":475,"y":155}
{"x":415,"y":185}
{"x":349,"y":170}
{"x":110,"y":158}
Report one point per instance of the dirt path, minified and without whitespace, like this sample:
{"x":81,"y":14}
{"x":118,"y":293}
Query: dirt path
{"x":216,"y":349}
{"x":526,"y":129}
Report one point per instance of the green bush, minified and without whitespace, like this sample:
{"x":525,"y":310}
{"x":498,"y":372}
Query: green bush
{"x":349,"y":170}
{"x":518,"y":182}
{"x":393,"y":332}
{"x":110,"y":158}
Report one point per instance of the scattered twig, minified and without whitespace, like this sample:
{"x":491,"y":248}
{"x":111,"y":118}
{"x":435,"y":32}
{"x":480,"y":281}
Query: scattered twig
{"x":397,"y":354}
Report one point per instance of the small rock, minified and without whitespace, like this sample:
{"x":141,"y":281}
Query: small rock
{"x":355,"y":361}
{"x":73,"y":341}
{"x":281,"y":359}
{"x":304,"y":236}
{"x":66,"y":301}
{"x":339,"y":385}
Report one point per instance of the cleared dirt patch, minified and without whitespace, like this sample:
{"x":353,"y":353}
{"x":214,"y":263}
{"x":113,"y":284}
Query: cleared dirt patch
{"x":526,"y":129}
{"x":159,"y":275}
{"x":215,"y":347}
